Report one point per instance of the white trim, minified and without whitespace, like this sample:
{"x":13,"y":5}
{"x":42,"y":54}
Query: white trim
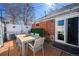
{"x":61,"y":12}
{"x":57,"y":14}
{"x":65,"y":30}
{"x":47,"y":19}
{"x":78,"y":31}
{"x":43,"y":20}
{"x":69,"y":15}
{"x":54,"y":14}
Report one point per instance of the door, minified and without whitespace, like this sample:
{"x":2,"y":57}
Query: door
{"x":72,"y":36}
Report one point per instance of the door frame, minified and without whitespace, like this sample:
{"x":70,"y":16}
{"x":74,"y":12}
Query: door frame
{"x":65,"y":31}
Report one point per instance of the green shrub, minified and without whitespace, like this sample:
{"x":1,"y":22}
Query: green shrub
{"x":38,"y":31}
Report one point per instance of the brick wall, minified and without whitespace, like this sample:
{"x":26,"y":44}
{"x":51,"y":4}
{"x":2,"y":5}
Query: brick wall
{"x":50,"y":26}
{"x":47,"y":26}
{"x":33,"y":25}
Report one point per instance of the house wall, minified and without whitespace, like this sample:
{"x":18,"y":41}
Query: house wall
{"x":50,"y":26}
{"x":64,"y":17}
{"x":43,"y":25}
{"x":35,"y":26}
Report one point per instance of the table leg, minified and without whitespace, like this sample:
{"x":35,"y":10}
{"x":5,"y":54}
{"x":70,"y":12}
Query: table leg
{"x":26,"y":49}
{"x":23,"y":49}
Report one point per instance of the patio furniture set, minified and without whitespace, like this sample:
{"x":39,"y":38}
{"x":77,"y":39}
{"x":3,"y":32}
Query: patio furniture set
{"x":34,"y":42}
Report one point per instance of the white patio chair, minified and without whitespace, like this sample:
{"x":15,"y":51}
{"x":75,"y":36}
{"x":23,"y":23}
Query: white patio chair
{"x":32,"y":34}
{"x":37,"y":45}
{"x":18,"y":42}
{"x":52,"y":38}
{"x":36,"y":35}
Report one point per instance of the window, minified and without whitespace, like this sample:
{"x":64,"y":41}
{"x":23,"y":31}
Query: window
{"x":60,"y":30}
{"x":60,"y":22}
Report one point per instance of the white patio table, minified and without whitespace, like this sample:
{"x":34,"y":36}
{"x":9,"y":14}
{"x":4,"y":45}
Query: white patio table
{"x":24,"y":39}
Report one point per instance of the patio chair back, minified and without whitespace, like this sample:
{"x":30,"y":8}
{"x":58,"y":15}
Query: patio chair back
{"x":52,"y":37}
{"x":32,"y":33}
{"x":36,"y":35}
{"x":39,"y":43}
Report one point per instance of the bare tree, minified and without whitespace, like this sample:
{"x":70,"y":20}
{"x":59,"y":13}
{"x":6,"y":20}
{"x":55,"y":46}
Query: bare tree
{"x":28,"y":13}
{"x":12,"y":11}
{"x":20,"y":10}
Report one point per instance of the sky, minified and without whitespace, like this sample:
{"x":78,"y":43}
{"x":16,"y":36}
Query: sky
{"x":41,"y":9}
